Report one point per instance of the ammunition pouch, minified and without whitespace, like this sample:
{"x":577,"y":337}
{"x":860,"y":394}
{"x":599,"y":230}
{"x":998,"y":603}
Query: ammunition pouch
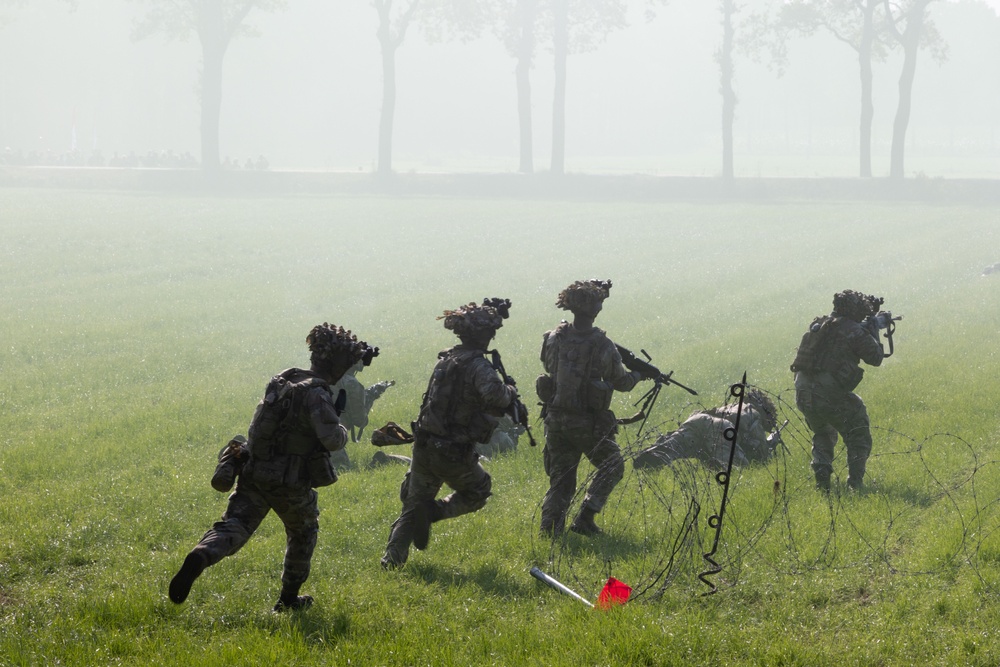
{"x":320,"y":469}
{"x":598,"y":396}
{"x":545,"y":387}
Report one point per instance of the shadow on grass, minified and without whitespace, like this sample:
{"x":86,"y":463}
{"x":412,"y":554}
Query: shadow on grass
{"x":490,"y":579}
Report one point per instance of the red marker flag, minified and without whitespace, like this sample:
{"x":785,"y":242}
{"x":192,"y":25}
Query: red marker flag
{"x":613,"y":593}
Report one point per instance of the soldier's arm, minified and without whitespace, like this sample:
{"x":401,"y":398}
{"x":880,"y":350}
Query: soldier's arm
{"x":325,"y":422}
{"x":866,"y":346}
{"x":609,"y":363}
{"x":491,"y":388}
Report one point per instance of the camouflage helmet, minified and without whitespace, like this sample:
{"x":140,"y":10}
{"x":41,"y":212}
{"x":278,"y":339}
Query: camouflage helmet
{"x":855,"y":305}
{"x":763,"y":404}
{"x":328,"y":342}
{"x":583,"y":295}
{"x":474,"y":318}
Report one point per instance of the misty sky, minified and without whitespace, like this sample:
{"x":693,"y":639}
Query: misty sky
{"x":306,"y":92}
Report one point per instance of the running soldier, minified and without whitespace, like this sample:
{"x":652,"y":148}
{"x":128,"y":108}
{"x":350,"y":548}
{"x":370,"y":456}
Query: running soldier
{"x":583,"y":369}
{"x":293,"y":431}
{"x":827,"y":369}
{"x":464,"y":398}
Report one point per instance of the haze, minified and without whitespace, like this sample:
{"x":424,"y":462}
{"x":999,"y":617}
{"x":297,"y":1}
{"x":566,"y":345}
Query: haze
{"x":306,"y":94}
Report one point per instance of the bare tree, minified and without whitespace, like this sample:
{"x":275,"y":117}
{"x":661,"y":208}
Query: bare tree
{"x":861,"y":25}
{"x":392,"y":27}
{"x":216,"y":22}
{"x":910,"y":26}
{"x":724,"y":56}
{"x":578,"y":26}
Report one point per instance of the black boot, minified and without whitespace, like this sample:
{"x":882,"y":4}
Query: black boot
{"x":823,"y":481}
{"x":426,"y":513}
{"x":584,"y":523}
{"x":290,"y":600}
{"x":552,"y":527}
{"x":856,"y":475}
{"x":193,"y":566}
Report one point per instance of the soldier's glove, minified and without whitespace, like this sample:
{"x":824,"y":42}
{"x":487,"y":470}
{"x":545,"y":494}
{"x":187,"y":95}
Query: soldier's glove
{"x":340,"y":403}
{"x":390,"y":434}
{"x":232,"y":458}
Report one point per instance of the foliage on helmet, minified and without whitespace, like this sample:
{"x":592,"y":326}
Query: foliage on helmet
{"x":856,"y":305}
{"x":583,"y":295}
{"x":765,"y":406}
{"x":473,"y":318}
{"x":329,"y":342}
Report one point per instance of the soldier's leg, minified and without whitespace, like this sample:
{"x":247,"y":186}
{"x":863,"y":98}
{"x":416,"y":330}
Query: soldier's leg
{"x":606,"y":457}
{"x":299,"y":512}
{"x":471,"y":483}
{"x":246,"y":509}
{"x":610,"y":468}
{"x":855,"y":428}
{"x":824,"y":434}
{"x":561,"y":459}
{"x":419,"y":488}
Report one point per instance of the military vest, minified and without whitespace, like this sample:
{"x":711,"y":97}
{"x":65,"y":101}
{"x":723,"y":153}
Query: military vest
{"x":279,"y":426}
{"x":575,"y":386}
{"x":451,"y":407}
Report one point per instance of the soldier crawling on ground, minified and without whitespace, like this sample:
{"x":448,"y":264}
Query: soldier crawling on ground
{"x":292,"y":433}
{"x":583,"y":369}
{"x":464,"y":397}
{"x":701,"y":436}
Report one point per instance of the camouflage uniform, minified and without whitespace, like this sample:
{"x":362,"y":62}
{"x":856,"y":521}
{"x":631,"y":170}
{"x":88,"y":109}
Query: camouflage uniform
{"x":503,"y":440}
{"x":280,"y":475}
{"x":585,"y":368}
{"x":460,"y":408}
{"x":827,"y":369}
{"x":292,"y":498}
{"x":701,"y":437}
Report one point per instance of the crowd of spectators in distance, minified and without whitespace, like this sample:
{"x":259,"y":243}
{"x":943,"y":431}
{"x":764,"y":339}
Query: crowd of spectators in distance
{"x":164,"y":159}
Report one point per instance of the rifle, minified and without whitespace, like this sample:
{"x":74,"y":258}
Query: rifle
{"x":519,"y":413}
{"x":882,"y":320}
{"x":648,"y":370}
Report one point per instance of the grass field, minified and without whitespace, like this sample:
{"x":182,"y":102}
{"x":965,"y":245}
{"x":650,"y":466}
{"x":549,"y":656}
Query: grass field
{"x":139,"y":331}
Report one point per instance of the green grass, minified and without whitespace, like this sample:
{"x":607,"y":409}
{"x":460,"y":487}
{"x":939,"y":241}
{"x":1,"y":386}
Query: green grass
{"x":139,"y":331}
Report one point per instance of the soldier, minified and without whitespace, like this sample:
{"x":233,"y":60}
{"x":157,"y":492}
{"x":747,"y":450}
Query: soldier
{"x":827,"y":369}
{"x":504,"y":439}
{"x":583,"y":370}
{"x":293,"y":431}
{"x":359,"y":400}
{"x":701,"y":436}
{"x":464,"y":398}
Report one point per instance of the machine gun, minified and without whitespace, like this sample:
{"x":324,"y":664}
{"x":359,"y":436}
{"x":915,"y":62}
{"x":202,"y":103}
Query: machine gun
{"x":518,"y":412}
{"x":648,"y":372}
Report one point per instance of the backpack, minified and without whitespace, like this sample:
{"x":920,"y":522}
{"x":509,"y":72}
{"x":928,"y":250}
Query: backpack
{"x":572,"y":385}
{"x":277,"y":412}
{"x":812,"y":352}
{"x":450,"y":408}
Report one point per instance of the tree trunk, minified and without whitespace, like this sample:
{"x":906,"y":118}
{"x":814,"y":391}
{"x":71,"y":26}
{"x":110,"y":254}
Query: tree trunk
{"x":525,"y":55}
{"x":212,"y":33}
{"x":388,"y":110}
{"x":867,"y":106}
{"x":911,"y":46}
{"x":560,"y":44}
{"x":728,"y":93}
